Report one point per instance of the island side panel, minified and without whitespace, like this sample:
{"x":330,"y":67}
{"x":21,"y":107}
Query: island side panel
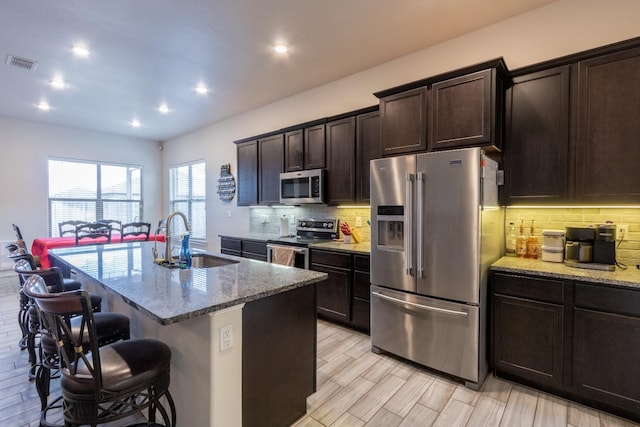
{"x":192,"y":363}
{"x":279,"y":357}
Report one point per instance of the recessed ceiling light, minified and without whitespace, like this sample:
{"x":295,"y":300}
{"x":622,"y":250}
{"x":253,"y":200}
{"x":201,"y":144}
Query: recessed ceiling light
{"x":57,"y":83}
{"x":80,"y":51}
{"x":163,"y":108}
{"x":43,"y":106}
{"x":135,"y":123}
{"x":280,"y":48}
{"x":202,"y":89}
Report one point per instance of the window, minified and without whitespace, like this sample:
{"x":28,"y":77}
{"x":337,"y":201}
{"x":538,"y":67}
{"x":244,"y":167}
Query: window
{"x":187,"y":193}
{"x":89,"y":191}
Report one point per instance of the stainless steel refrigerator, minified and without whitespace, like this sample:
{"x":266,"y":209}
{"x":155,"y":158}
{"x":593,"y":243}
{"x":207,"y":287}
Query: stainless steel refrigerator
{"x":436,"y":229}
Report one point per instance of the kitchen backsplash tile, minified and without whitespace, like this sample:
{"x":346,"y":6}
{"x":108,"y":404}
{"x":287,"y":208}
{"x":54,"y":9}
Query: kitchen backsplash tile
{"x":628,"y":252}
{"x":267,"y":220}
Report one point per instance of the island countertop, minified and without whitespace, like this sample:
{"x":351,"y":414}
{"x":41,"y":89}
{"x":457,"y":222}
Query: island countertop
{"x":171,"y":295}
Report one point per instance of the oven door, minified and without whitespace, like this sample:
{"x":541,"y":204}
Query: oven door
{"x":301,"y":257}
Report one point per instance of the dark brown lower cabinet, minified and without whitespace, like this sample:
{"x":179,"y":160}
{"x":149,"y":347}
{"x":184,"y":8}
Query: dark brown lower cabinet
{"x":361,"y":292}
{"x":529,"y":338}
{"x":230,"y":246}
{"x":254,"y":249}
{"x":334,"y":294}
{"x":344,"y":296}
{"x":577,"y":340}
{"x":246,"y":248}
{"x":606,"y":346}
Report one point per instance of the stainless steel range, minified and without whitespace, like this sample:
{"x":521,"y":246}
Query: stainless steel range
{"x":308,"y":231}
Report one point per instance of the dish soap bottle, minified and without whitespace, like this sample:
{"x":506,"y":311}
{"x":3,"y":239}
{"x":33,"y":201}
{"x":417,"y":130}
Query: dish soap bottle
{"x":184,"y":260}
{"x":510,"y":244}
{"x":532,"y":243}
{"x":521,"y":242}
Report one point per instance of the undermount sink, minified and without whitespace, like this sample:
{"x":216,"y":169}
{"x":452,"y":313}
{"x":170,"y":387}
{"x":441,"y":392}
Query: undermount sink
{"x":209,"y":261}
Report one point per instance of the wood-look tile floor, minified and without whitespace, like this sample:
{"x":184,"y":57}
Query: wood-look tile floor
{"x":356,"y":387}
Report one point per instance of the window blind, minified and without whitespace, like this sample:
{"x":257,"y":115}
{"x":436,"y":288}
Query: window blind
{"x":89,"y":191}
{"x":187,"y":193}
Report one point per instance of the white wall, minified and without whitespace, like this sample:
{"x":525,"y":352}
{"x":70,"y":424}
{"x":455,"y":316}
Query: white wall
{"x":561,"y":28}
{"x":26,"y":147}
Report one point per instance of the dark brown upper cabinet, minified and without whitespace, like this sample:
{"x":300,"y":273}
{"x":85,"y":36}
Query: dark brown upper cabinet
{"x":247,"y":191}
{"x":341,"y":153}
{"x":608,"y":129}
{"x":537,"y":137}
{"x":271,"y":164}
{"x":294,"y":150}
{"x":403,"y":118}
{"x":314,"y":147}
{"x":466,"y":111}
{"x":367,"y":149}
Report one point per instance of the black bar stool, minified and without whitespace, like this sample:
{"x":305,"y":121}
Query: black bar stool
{"x":28,"y":315}
{"x":102,"y":383}
{"x":110,"y":327}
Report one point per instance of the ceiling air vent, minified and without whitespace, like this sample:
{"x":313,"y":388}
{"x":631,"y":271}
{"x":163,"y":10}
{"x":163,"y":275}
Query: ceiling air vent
{"x":22,"y":63}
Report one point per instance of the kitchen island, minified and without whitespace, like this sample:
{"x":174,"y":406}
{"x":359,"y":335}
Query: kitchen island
{"x":235,"y":330}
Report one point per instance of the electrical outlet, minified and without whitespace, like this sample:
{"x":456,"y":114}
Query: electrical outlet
{"x":226,"y":337}
{"x":228,"y":214}
{"x":358,"y":221}
{"x":622,"y":231}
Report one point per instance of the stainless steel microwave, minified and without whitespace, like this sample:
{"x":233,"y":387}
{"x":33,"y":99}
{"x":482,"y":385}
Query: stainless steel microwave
{"x":297,"y":188}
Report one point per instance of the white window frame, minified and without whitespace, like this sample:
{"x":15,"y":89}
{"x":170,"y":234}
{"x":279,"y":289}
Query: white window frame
{"x":198,"y":225}
{"x":99,"y":201}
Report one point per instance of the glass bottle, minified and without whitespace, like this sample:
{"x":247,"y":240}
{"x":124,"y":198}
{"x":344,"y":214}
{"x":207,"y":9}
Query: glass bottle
{"x":184,"y":260}
{"x":510,"y":243}
{"x":521,"y":242}
{"x":532,"y":243}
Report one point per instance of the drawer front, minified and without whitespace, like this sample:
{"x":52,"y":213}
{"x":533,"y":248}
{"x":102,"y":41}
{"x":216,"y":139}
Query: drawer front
{"x":419,"y":328}
{"x":608,"y":298}
{"x":334,"y":259}
{"x":254,"y":247}
{"x":361,"y":263}
{"x":534,"y":288}
{"x":232,"y":244}
{"x":230,"y":252}
{"x":251,"y":255}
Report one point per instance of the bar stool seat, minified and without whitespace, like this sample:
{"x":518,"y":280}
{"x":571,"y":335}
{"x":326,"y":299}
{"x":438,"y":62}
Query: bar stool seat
{"x":124,"y":368}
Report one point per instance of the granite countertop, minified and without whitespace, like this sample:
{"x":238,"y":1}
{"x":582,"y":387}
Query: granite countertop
{"x":629,"y":277}
{"x":336,"y":245}
{"x":171,"y":295}
{"x":262,"y":237}
{"x":363,"y":248}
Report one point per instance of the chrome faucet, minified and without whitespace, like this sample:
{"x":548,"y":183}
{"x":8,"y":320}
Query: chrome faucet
{"x":167,"y":250}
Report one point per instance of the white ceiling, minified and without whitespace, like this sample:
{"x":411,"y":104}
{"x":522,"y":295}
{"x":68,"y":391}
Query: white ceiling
{"x":144,"y":52}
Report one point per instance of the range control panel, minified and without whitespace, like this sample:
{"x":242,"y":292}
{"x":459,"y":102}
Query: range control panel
{"x":317,"y":225}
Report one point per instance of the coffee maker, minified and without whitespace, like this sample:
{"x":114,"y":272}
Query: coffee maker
{"x":604,"y":247}
{"x":591,"y":247}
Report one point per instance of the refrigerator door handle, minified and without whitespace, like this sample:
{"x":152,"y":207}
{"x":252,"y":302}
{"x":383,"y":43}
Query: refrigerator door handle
{"x":422,"y":307}
{"x":408,"y":228}
{"x":419,"y":225}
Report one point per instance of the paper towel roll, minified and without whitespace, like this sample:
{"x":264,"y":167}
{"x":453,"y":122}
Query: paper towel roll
{"x":284,"y":226}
